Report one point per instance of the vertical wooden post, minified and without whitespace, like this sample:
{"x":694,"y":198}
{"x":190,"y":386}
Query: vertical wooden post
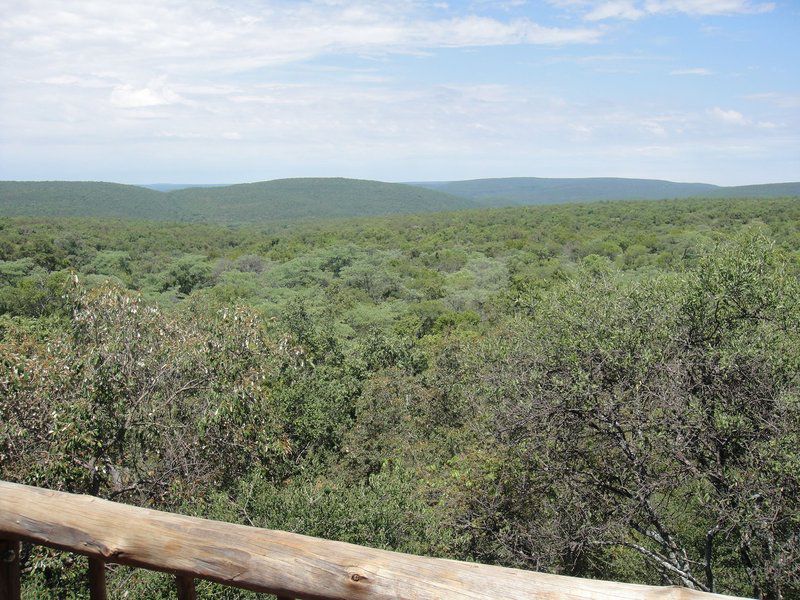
{"x":186,"y":589}
{"x":9,"y":570}
{"x":97,"y":579}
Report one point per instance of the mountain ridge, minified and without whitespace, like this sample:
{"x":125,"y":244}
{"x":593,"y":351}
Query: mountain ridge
{"x":293,"y":199}
{"x":545,"y":190}
{"x":279,"y":199}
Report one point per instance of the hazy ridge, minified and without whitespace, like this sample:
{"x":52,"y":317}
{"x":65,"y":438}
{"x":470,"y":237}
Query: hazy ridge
{"x":315,"y":198}
{"x":281,"y":199}
{"x":536,"y":190}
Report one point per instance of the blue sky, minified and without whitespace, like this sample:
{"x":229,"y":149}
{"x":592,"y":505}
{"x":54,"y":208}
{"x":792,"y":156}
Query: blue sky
{"x":229,"y":91}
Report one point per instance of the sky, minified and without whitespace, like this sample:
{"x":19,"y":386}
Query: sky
{"x":227,"y":91}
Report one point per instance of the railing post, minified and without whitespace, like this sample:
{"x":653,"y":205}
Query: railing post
{"x":97,"y":579}
{"x":186,"y":589}
{"x":9,"y":570}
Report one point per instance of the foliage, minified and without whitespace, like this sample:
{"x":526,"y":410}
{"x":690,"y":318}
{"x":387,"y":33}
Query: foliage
{"x":658,"y":416}
{"x":281,"y":199}
{"x":606,"y":390}
{"x":541,"y":190}
{"x":316,"y":198}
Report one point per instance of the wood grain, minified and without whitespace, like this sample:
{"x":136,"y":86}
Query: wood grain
{"x":281,"y":563}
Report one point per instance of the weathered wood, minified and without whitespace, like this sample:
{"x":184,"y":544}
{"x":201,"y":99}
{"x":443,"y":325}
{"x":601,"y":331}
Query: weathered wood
{"x":284,"y":564}
{"x":97,"y":579}
{"x":185,"y":587}
{"x":9,"y":570}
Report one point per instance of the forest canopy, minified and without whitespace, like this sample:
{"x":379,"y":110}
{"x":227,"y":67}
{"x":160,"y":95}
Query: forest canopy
{"x":607,"y":390}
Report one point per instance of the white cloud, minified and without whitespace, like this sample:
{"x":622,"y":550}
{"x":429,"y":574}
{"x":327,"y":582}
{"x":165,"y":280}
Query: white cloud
{"x":709,"y":7}
{"x":693,"y":71}
{"x":597,"y":10}
{"x":222,"y":35}
{"x":63,"y":80}
{"x":154,"y":94}
{"x":606,"y":58}
{"x":175,"y":69}
{"x":90,"y":80}
{"x":618,"y":9}
{"x":484,"y":31}
{"x":778,"y":99}
{"x":732,"y":117}
{"x":221,"y":88}
{"x":653,"y":126}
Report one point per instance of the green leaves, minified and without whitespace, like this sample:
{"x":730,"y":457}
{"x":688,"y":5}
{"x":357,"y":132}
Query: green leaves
{"x":659,"y":409}
{"x":565,"y":388}
{"x":187,"y":273}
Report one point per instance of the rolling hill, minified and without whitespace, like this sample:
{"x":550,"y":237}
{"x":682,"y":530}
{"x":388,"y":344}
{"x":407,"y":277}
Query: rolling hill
{"x":766,"y":190}
{"x":171,"y":187}
{"x":319,"y":198}
{"x":282,"y":199}
{"x":290,"y":199}
{"x":536,"y":190}
{"x":83,"y":199}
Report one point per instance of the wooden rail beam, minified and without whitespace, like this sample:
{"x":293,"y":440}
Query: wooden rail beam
{"x":285,"y":564}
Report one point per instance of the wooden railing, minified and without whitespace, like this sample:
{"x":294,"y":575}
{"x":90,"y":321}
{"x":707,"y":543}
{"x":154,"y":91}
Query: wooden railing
{"x":285,"y":564}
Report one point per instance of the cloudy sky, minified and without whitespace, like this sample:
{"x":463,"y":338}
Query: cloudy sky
{"x":403,"y":90}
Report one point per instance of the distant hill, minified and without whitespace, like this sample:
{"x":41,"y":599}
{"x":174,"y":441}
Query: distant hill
{"x":536,"y":190}
{"x":83,"y":199}
{"x":310,"y":198}
{"x":319,"y":198}
{"x":282,"y":199}
{"x":766,"y":190}
{"x":171,"y":187}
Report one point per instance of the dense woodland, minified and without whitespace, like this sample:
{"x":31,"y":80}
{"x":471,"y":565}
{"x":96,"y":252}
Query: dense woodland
{"x":511,"y":191}
{"x":320,"y":198}
{"x":607,"y":390}
{"x":264,"y":201}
